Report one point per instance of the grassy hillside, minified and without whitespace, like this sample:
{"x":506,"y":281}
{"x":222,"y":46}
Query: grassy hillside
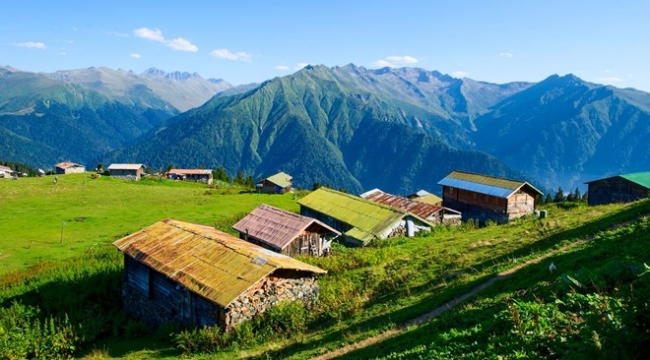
{"x":366,"y":291}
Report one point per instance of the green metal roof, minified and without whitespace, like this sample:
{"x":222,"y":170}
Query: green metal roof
{"x":641,"y":178}
{"x":280,"y":179}
{"x":367,"y":218}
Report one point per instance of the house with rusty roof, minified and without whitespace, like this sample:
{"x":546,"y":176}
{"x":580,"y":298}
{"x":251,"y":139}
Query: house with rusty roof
{"x":286,"y":232}
{"x":425,"y":197}
{"x":200,"y":276}
{"x":619,"y":189}
{"x":127,"y":171}
{"x":483,"y":198}
{"x":5,"y":171}
{"x":68,"y":167}
{"x":196,"y":175}
{"x":279,"y":183}
{"x":359,"y":220}
{"x":434,"y":214}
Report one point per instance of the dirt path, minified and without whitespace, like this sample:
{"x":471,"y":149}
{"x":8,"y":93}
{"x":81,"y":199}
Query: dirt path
{"x":441,"y":309}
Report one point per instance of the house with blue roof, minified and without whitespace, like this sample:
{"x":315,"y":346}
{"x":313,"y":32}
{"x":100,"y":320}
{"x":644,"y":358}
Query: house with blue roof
{"x":619,"y":189}
{"x":483,"y":198}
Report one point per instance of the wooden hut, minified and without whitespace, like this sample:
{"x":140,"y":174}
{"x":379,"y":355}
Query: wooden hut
{"x":196,"y":175}
{"x":5,"y":171}
{"x":425,"y":197}
{"x":361,"y":221}
{"x":483,"y":198}
{"x":434,"y":214}
{"x":197,"y":275}
{"x":126,"y":171}
{"x":68,"y":167}
{"x":279,"y":183}
{"x":619,"y":189}
{"x":285,"y":232}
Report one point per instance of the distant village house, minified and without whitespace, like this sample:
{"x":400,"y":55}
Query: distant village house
{"x":361,"y":221}
{"x":67,"y":167}
{"x":126,"y":171}
{"x":199,"y":276}
{"x":483,"y":198}
{"x":619,"y":189}
{"x":425,"y":197}
{"x":434,"y":214}
{"x":197,"y":175}
{"x":279,"y":183}
{"x":285,"y":232}
{"x":5,"y":172}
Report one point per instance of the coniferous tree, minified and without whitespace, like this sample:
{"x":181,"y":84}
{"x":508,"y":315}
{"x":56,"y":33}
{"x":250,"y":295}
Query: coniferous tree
{"x":250,"y":183}
{"x":559,"y":195}
{"x":576,"y":195}
{"x":549,"y":199}
{"x":240,"y":180}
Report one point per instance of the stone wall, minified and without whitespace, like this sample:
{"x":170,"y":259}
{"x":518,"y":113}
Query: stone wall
{"x":267,"y":293}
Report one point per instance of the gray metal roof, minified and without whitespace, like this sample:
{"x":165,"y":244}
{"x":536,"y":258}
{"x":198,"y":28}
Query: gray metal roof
{"x":476,"y":187}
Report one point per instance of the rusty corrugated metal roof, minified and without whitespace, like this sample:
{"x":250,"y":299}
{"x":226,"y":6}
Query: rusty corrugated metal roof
{"x":277,"y":227}
{"x":125,"y":166}
{"x":66,"y":164}
{"x":423,"y":210}
{"x":190,"y":171}
{"x":211,"y":263}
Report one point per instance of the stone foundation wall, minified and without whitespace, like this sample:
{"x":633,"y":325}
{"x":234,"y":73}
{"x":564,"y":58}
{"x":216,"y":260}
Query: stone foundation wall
{"x":267,"y":293}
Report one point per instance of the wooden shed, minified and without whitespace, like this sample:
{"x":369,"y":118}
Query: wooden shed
{"x":360,"y":220}
{"x":197,"y":275}
{"x":126,"y":171}
{"x":619,"y":189}
{"x":483,"y":198}
{"x":425,"y":197}
{"x":434,"y":214}
{"x":285,"y":232}
{"x":279,"y":183}
{"x":68,"y":167}
{"x":5,"y":171}
{"x":196,"y":175}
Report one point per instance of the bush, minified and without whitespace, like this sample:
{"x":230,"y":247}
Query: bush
{"x":24,"y":335}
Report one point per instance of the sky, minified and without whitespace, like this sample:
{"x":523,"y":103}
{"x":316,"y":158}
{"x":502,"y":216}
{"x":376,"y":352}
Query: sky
{"x":498,"y":41}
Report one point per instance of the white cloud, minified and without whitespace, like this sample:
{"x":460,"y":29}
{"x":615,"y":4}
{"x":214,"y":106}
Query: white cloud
{"x":181,"y":44}
{"x":149,"y":34}
{"x":609,"y":80}
{"x":460,"y":74}
{"x":394,"y":61}
{"x":506,"y":54}
{"x":301,"y":65}
{"x":229,"y":55}
{"x":282,"y":67}
{"x":134,"y":56}
{"x":381,"y":64}
{"x":155,"y":34}
{"x":32,"y":45}
{"x":402,"y":59}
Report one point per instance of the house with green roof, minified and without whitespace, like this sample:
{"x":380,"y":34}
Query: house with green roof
{"x":279,"y":183}
{"x":359,"y":220}
{"x":619,"y":189}
{"x":483,"y":198}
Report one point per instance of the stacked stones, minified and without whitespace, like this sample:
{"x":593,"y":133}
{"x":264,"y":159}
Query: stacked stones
{"x":268,"y":293}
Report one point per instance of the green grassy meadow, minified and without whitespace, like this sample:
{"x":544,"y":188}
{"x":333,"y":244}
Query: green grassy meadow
{"x":366,"y":291}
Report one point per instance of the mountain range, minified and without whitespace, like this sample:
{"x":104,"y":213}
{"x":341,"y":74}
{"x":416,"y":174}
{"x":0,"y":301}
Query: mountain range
{"x":350,"y":127}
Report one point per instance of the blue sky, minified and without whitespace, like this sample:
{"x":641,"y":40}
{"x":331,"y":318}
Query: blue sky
{"x":497,"y":41}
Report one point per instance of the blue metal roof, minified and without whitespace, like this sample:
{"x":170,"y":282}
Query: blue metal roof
{"x":476,"y":187}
